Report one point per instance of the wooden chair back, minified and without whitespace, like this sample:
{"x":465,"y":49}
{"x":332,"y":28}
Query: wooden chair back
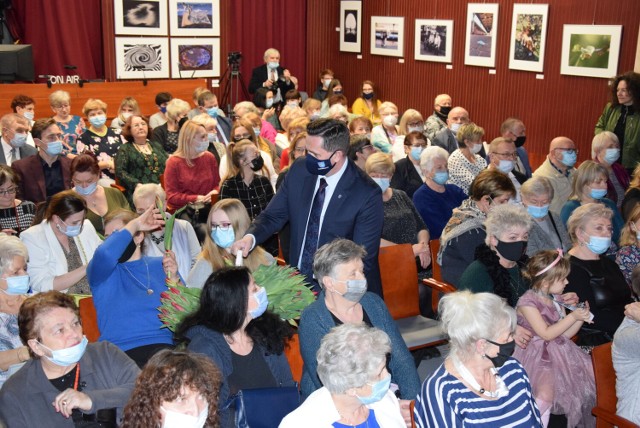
{"x":399,"y":275}
{"x":292,"y":352}
{"x":89,"y":319}
{"x":606,"y":399}
{"x":437,"y":288}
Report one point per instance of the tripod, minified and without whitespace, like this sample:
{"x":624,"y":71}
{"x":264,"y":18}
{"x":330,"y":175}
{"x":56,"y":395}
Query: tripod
{"x":232,"y":86}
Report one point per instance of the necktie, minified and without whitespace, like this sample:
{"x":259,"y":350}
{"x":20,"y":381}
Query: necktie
{"x":313,"y":231}
{"x":12,"y":154}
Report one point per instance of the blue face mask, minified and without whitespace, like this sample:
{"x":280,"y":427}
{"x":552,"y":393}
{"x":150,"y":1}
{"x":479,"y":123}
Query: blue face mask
{"x":569,"y":158}
{"x":223,"y":238}
{"x":599,"y":244}
{"x":441,"y":177}
{"x":273,"y":65}
{"x":163,"y":109}
{"x":505,"y":166}
{"x":98,"y":121}
{"x":213,"y":112}
{"x":29,"y":115}
{"x":611,"y":155}
{"x":378,"y":391}
{"x":202,"y":146}
{"x":70,"y":231}
{"x":319,"y":167}
{"x":19,"y":140}
{"x":598,"y":193}
{"x":415,"y":153}
{"x":263,"y":302}
{"x":538,"y":212}
{"x":67,"y":356}
{"x":86,"y":191}
{"x":256,"y":131}
{"x":17,"y":285}
{"x":269,"y":102}
{"x":382,"y":182}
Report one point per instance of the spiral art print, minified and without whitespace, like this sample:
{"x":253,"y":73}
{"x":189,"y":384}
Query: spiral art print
{"x":142,"y":57}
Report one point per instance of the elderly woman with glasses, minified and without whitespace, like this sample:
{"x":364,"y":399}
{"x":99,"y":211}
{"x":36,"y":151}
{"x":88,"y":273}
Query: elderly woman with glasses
{"x":548,"y":231}
{"x":15,"y":215}
{"x":352,"y":361}
{"x":61,"y":246}
{"x":479,"y":383}
{"x":590,"y":186}
{"x":344,"y":300}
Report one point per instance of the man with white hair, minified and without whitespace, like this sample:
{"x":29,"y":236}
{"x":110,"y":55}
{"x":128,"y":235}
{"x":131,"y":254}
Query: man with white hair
{"x":437,"y":121}
{"x":271,"y":75}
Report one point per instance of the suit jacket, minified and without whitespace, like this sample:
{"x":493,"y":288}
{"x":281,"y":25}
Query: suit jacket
{"x":406,"y":177}
{"x":25,"y":151}
{"x":260,"y":74}
{"x":444,"y":138}
{"x":32,"y":185}
{"x":224,"y":123}
{"x":354,"y":212}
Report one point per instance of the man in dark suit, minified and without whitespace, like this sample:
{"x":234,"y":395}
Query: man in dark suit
{"x":15,"y":132}
{"x":46,"y":173}
{"x":351,"y":204}
{"x":446,"y":137}
{"x":208,"y":103}
{"x":272,"y":76}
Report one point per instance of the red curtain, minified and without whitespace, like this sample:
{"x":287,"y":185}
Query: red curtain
{"x":62,"y":32}
{"x":259,"y":25}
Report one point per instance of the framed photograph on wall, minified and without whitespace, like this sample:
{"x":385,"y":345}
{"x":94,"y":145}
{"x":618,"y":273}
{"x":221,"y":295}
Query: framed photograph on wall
{"x":194,"y":18}
{"x":591,"y":50}
{"x":351,"y":26}
{"x":142,"y":58}
{"x":433,"y":40}
{"x":140,"y":18}
{"x":387,"y":35}
{"x":482,"y":34}
{"x":528,"y":37}
{"x":195,"y":58}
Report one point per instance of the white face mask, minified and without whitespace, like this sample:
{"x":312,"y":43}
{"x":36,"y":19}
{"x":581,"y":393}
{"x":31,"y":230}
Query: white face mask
{"x":475,"y":148}
{"x":173,"y":419}
{"x":390,"y":120}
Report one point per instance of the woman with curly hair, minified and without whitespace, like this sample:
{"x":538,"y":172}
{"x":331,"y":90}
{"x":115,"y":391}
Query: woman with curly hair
{"x":621,"y":117}
{"x":175,"y":389}
{"x":233,"y":328}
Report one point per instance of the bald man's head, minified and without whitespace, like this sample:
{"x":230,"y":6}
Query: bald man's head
{"x":561,"y":143}
{"x":458,"y":115}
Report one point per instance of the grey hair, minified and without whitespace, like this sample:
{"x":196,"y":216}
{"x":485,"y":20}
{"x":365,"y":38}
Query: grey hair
{"x":248,"y":106}
{"x":336,"y":252}
{"x":148,"y":190}
{"x":350,"y":356}
{"x":338,"y":109}
{"x":537,"y":186}
{"x":600,"y":140}
{"x":502,"y":218}
{"x":270,"y":51}
{"x":467,"y":317}
{"x":10,"y":247}
{"x":429,"y":155}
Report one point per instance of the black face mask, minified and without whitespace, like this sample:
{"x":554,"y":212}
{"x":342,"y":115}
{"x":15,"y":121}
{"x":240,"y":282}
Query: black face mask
{"x":257,"y":163}
{"x":368,"y":96}
{"x":505,"y":350}
{"x":511,"y":250}
{"x":128,"y":252}
{"x":444,"y":111}
{"x":519,"y":142}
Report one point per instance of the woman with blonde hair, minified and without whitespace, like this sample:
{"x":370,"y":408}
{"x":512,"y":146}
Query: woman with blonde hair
{"x":605,"y":150}
{"x":465,"y":163}
{"x":128,"y":107}
{"x":384,"y":135}
{"x":411,"y":121}
{"x":167,"y":134}
{"x":295,"y":127}
{"x":589,"y":186}
{"x":628,"y":256}
{"x":227,"y":222}
{"x":191,"y":176}
{"x":72,"y":126}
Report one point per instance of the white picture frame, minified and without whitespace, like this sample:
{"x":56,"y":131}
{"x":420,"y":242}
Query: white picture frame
{"x":351,"y":26}
{"x":140,"y":17}
{"x":205,"y":19}
{"x":481,"y":34}
{"x":433,"y":40}
{"x":196,"y":57}
{"x":387,"y":35}
{"x":142,"y":57}
{"x":591,"y":50}
{"x":528,"y":37}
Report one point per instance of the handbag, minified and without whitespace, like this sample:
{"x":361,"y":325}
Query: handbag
{"x":263,"y":407}
{"x":195,"y":213}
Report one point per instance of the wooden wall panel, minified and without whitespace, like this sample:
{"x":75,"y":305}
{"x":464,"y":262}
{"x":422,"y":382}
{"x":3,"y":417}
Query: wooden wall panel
{"x":556,"y":105}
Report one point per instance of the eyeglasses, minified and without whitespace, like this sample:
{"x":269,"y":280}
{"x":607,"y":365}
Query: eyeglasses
{"x":301,"y":149}
{"x":567,"y":149}
{"x":507,"y":155}
{"x":221,"y":226}
{"x":241,"y":137}
{"x":9,"y":191}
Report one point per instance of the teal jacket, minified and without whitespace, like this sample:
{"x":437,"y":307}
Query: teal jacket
{"x":631,"y":149}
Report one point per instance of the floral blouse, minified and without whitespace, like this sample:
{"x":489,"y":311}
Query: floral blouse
{"x":104,"y":147}
{"x":627,"y":258}
{"x":72,"y":131}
